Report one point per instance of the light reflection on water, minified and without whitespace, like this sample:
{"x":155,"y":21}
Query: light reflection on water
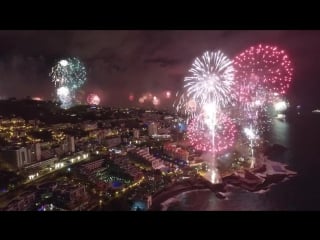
{"x":280,"y":133}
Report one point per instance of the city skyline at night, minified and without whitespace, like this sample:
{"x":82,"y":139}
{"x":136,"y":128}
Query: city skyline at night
{"x":160,"y":120}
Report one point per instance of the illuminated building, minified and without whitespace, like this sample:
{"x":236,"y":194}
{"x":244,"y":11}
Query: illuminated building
{"x":149,"y":201}
{"x":112,"y":141}
{"x":156,"y":163}
{"x":152,"y":129}
{"x":71,"y":197}
{"x":176,"y":152}
{"x":15,"y":158}
{"x":71,"y":145}
{"x":36,"y":150}
{"x":136,"y":133}
{"x":87,"y":168}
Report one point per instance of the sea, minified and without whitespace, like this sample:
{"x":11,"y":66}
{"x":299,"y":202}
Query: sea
{"x":300,"y":134}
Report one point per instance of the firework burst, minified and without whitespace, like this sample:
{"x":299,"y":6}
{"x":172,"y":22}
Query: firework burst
{"x":65,"y":97}
{"x":93,"y":99}
{"x":69,"y":73}
{"x":200,"y":134}
{"x":263,"y":67}
{"x":211,"y":79}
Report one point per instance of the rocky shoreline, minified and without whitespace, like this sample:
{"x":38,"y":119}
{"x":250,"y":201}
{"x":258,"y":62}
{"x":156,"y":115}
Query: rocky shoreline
{"x":254,"y":180}
{"x":180,"y":187}
{"x":261,"y":178}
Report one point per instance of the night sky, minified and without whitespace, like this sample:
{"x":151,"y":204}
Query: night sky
{"x":123,"y":62}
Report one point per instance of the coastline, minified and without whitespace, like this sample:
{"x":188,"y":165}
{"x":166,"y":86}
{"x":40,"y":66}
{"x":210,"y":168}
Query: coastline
{"x":258,"y":180}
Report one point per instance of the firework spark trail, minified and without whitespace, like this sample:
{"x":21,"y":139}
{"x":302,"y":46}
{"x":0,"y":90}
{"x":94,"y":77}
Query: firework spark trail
{"x":252,"y":135}
{"x":201,"y":137}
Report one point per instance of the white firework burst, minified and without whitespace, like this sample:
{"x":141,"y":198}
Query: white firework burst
{"x":211,"y":79}
{"x":65,"y":97}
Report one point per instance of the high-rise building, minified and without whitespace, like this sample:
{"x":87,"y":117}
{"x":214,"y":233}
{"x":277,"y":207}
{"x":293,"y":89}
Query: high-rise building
{"x":37,"y":151}
{"x":64,"y":147}
{"x":22,"y":157}
{"x":152,"y":129}
{"x":71,"y":144}
{"x":15,"y":158}
{"x":136,"y":133}
{"x":148,"y":200}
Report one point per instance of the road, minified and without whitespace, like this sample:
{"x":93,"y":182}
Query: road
{"x":49,"y":176}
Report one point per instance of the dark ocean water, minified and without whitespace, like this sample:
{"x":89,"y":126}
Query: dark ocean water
{"x":301,"y":135}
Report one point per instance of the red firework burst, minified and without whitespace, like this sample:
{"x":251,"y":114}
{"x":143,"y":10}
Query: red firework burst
{"x":93,"y":99}
{"x":262,"y":68}
{"x":201,"y":138}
